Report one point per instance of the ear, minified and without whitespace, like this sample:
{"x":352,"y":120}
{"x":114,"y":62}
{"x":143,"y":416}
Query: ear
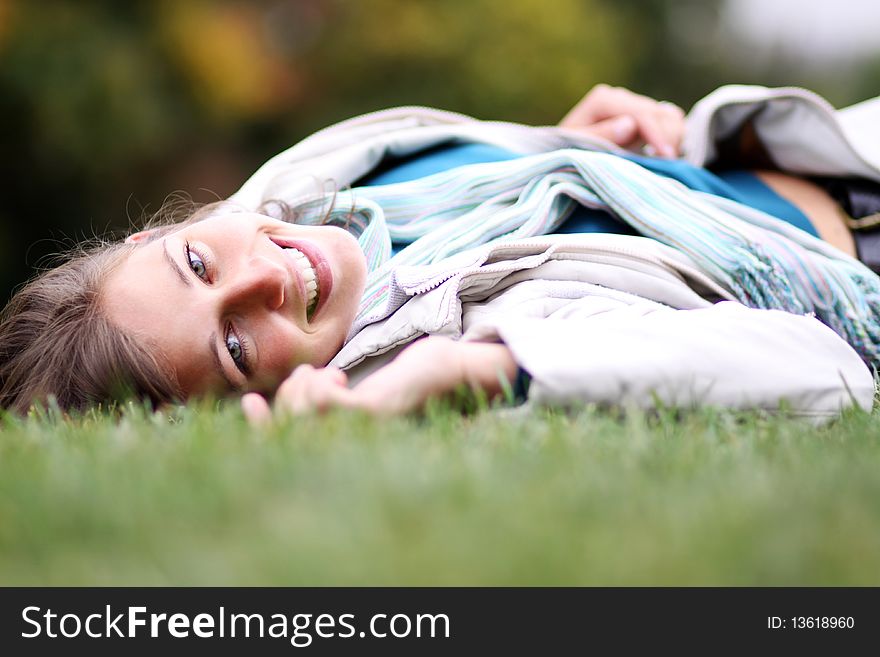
{"x":140,"y":236}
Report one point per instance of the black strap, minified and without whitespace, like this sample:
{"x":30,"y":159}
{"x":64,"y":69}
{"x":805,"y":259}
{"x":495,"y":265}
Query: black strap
{"x":858,"y":197}
{"x":868,"y":248}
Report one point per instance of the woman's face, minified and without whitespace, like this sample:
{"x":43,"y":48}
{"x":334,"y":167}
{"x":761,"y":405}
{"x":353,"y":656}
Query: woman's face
{"x":236,"y":301}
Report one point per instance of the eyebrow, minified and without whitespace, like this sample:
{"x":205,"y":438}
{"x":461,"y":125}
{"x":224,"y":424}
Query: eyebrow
{"x":177,"y":270}
{"x":215,"y":356}
{"x":212,"y":339}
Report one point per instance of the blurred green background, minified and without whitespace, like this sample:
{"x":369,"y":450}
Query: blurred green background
{"x":106,"y":107}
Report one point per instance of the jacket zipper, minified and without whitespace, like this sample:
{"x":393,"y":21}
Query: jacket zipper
{"x":414,"y":290}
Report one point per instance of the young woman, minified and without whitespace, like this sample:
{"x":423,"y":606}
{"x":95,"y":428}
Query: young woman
{"x":544,"y":263}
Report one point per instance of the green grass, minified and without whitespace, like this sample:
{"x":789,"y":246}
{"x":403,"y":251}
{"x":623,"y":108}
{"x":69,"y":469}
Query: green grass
{"x":591,"y":498}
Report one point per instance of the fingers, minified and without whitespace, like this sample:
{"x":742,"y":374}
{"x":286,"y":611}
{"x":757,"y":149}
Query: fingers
{"x":592,"y":107}
{"x":622,"y":130}
{"x":309,"y":390}
{"x":671,"y":120}
{"x":629,"y":120}
{"x":306,"y":390}
{"x":659,"y":134}
{"x":426,"y":369}
{"x":256,"y":409}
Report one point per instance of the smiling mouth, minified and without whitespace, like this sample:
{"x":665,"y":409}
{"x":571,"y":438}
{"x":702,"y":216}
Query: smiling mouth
{"x":315,"y":279}
{"x":310,"y":278}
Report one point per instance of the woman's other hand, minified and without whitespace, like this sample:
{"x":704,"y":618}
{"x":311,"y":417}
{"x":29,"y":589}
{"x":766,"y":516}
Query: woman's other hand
{"x":629,"y":120}
{"x":427,"y":369}
{"x":307,"y":389}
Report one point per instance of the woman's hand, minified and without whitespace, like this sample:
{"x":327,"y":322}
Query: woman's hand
{"x":427,"y":369}
{"x":629,"y":120}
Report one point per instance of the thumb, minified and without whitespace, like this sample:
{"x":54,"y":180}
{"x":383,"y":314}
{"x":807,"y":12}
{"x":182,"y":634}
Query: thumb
{"x":337,"y":376}
{"x":256,"y":409}
{"x":621,"y":130}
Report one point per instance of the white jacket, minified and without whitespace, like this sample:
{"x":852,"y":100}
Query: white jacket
{"x":607,"y":318}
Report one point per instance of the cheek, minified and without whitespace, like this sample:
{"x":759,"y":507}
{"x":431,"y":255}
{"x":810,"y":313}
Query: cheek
{"x":283,"y":348}
{"x":278,"y":350}
{"x":233,"y":230}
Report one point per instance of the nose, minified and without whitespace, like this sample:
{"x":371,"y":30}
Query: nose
{"x":260,"y":282}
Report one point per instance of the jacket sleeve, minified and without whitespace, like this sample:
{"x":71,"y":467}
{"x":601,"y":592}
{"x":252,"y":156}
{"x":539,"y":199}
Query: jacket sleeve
{"x":799,"y":129}
{"x":725,"y":355}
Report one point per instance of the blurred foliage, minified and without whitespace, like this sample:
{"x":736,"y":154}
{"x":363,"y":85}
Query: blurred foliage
{"x":494,"y":59}
{"x":107,"y":107}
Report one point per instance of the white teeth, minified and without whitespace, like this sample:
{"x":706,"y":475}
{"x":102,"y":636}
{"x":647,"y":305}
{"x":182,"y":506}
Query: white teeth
{"x":308,"y":273}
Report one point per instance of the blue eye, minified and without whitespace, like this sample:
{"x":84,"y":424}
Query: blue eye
{"x":237,"y":351}
{"x":234,"y":347}
{"x":196,"y":263}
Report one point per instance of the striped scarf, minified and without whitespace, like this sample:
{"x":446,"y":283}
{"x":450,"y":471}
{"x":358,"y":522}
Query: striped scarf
{"x":763,"y":261}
